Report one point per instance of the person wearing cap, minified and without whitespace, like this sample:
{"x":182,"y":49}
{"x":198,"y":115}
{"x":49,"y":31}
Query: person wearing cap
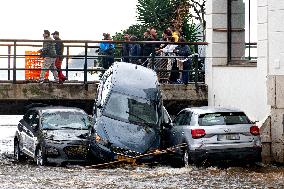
{"x":59,"y":48}
{"x":49,"y":55}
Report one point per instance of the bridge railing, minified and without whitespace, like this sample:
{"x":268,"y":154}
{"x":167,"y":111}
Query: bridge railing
{"x":82,"y":57}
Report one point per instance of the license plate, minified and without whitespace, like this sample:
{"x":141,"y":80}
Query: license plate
{"x":229,"y":137}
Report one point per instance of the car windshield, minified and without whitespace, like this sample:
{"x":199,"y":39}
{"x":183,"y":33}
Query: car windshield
{"x":223,"y":118}
{"x":65,"y":120}
{"x":131,"y":109}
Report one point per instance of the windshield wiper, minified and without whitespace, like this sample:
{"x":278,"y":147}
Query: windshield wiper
{"x":141,"y":119}
{"x":81,"y":128}
{"x":48,"y":128}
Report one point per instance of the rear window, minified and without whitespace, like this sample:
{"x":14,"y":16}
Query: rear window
{"x":223,"y":118}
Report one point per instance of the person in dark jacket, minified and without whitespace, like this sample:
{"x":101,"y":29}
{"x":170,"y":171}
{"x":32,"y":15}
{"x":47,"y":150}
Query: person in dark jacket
{"x":107,"y":50}
{"x":59,"y":47}
{"x":149,"y":48}
{"x":184,"y":62}
{"x":134,"y":51}
{"x":125,"y":48}
{"x":49,"y":55}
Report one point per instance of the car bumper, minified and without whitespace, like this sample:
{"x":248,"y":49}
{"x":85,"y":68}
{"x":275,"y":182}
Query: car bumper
{"x":66,"y":152}
{"x":253,"y":154}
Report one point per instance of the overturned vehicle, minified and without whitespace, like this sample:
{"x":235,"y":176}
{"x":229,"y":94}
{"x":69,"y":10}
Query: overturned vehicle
{"x":128,"y":114}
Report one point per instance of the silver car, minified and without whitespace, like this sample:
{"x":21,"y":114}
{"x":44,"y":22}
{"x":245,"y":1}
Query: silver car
{"x":214,"y":134}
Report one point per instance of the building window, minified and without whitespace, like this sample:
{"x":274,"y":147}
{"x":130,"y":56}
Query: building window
{"x":242,"y":31}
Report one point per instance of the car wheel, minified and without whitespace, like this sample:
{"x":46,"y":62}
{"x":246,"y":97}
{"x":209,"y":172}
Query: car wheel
{"x":40,"y":157}
{"x":17,"y":152}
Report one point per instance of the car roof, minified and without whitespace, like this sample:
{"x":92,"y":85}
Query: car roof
{"x":128,"y":74}
{"x":211,"y":109}
{"x":135,"y":80}
{"x":57,"y":108}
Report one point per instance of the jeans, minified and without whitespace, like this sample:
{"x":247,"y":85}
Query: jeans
{"x":48,"y":63}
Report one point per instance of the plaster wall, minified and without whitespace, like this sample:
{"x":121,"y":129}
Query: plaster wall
{"x":241,"y":88}
{"x":258,"y":90}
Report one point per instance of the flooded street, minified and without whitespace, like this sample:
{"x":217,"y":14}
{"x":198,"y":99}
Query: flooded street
{"x":28,"y":175}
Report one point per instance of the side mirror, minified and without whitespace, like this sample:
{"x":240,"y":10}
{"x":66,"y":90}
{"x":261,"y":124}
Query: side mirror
{"x":168,"y":125}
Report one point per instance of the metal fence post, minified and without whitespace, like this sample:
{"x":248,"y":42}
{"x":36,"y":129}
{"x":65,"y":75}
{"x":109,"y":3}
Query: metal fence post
{"x":9,"y":62}
{"x":196,"y":64}
{"x":86,"y":64}
{"x":14,"y":63}
{"x":67,"y":61}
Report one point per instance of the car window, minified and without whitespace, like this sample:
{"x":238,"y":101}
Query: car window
{"x":223,"y":118}
{"x":35,"y":118}
{"x":29,"y":116}
{"x":179,"y":119}
{"x":104,"y":87}
{"x":131,"y":109}
{"x":187,"y":118}
{"x":57,"y":120}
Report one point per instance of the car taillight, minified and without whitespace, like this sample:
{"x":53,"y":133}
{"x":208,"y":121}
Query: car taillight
{"x":254,"y":130}
{"x":197,"y":133}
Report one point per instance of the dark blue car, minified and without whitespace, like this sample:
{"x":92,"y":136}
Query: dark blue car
{"x":127,"y":113}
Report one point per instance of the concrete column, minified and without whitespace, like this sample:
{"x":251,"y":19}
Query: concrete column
{"x":274,"y":30}
{"x":216,"y":36}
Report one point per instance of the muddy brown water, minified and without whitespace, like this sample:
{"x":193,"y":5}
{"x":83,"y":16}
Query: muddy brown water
{"x":14,"y":175}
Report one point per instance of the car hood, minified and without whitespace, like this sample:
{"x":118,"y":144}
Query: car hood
{"x":128,"y":136}
{"x":66,"y":134}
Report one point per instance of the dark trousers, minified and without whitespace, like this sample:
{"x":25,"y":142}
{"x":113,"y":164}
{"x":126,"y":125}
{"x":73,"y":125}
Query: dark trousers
{"x":107,"y":61}
{"x":185,"y":72}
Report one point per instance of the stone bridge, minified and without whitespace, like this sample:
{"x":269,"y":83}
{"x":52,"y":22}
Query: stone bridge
{"x":15,"y":97}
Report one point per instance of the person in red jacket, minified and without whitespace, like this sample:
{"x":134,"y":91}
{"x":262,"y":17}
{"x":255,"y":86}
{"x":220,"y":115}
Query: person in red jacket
{"x":59,"y":47}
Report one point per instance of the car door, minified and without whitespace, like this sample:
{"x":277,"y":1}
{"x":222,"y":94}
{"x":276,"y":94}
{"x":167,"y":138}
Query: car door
{"x":34,"y":129}
{"x":27,"y":134}
{"x":180,"y":124}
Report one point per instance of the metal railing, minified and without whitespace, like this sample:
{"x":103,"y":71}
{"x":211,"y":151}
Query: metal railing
{"x":91,"y":60}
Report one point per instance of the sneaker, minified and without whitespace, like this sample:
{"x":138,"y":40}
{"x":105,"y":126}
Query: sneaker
{"x":64,"y":79}
{"x":56,"y":81}
{"x":41,"y":80}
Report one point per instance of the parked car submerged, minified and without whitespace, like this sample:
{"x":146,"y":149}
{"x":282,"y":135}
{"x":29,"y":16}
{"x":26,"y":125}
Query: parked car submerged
{"x":53,"y":134}
{"x":214,"y":134}
{"x":127,"y":113}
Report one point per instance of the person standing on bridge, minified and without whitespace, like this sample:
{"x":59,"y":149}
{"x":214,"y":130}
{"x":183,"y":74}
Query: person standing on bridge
{"x":49,"y":55}
{"x":59,"y":47}
{"x":107,"y":50}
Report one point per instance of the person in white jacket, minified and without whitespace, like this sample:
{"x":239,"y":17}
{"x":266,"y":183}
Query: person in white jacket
{"x":168,"y":50}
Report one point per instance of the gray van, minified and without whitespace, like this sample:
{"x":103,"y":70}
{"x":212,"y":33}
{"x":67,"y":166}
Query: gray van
{"x":127,"y":113}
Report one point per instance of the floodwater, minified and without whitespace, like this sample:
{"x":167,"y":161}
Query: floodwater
{"x":27,"y":175}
